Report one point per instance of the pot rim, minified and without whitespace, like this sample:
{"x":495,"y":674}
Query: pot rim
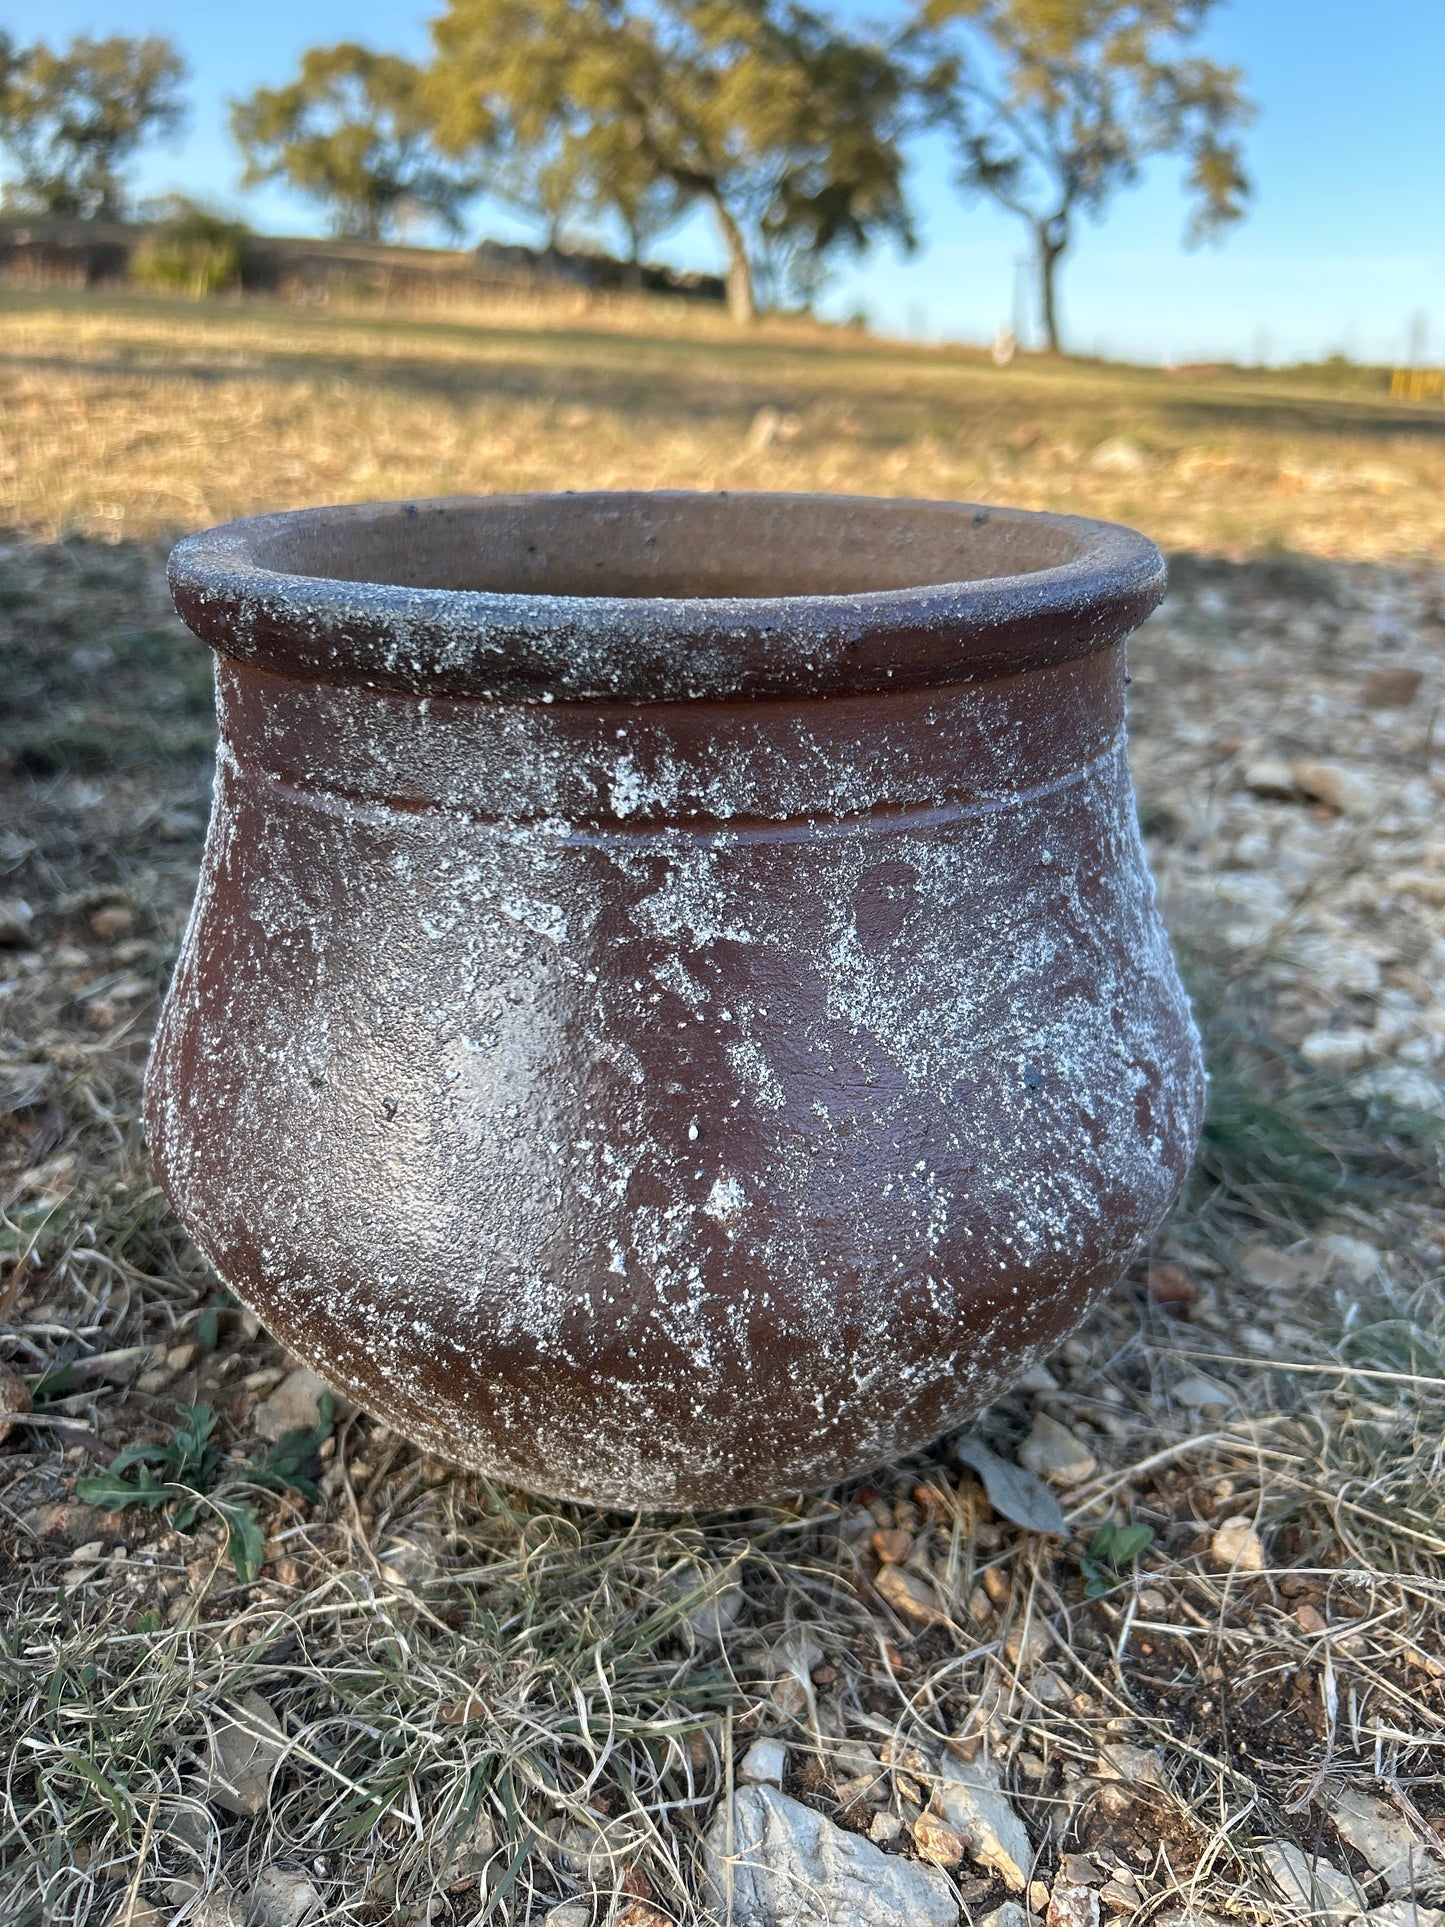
{"x":536,"y":646}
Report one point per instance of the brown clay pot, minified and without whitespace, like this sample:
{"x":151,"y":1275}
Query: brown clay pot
{"x":674,"y":1010}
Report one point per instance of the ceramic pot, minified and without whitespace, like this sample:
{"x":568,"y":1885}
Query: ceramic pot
{"x":674,"y":1010}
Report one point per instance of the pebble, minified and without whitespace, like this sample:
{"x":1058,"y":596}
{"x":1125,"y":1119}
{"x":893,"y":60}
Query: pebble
{"x":1338,"y":1050}
{"x":1053,"y":1452}
{"x":1380,"y":1834}
{"x":1269,"y":776}
{"x":1237,"y":1546}
{"x":1202,"y":1394}
{"x":16,"y":917}
{"x":292,"y":1407}
{"x":975,"y":1806}
{"x":246,"y":1748}
{"x":937,"y":1843}
{"x":764,"y":1764}
{"x":708,"y":1619}
{"x":1339,"y":789}
{"x":1171,"y":1285}
{"x":282,"y":1897}
{"x":571,"y":1913}
{"x":1008,"y":1914}
{"x":84,"y":1562}
{"x":1404,"y":1913}
{"x":776,"y":1863}
{"x":1317,"y":1887}
{"x":1071,"y":1904}
{"x":909,"y":1596}
{"x":1406,"y":1089}
{"x":1359,"y":1260}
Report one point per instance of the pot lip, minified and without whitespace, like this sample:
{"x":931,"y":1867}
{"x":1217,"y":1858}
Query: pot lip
{"x":528,"y":646}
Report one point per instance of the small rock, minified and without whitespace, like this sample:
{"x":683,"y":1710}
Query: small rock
{"x":1008,"y":1914}
{"x":1038,"y":1378}
{"x":1118,"y":456}
{"x":1137,"y":1765}
{"x":909,"y":1596}
{"x":1406,"y":1089}
{"x":1269,"y":776}
{"x":112,"y":920}
{"x":472,"y":1846}
{"x":764,"y":1764}
{"x":84,"y":1562}
{"x":15,"y":1400}
{"x":1203,"y":1394}
{"x":1391,"y":686}
{"x":1320,"y":1889}
{"x":218,"y":1906}
{"x":1403,"y":1913}
{"x":637,"y":1913}
{"x":1359,"y":1261}
{"x":1343,"y":790}
{"x":282,"y":1897}
{"x":16,"y":917}
{"x":1171,"y":1285}
{"x":1338,"y":1050}
{"x":710,"y":1617}
{"x":1053,"y":1452}
{"x":1271,"y":1270}
{"x":292,"y":1407}
{"x":1119,"y":1896}
{"x":891,"y":1546}
{"x":245,"y":1750}
{"x":775,"y":1862}
{"x":1072,"y":1905}
{"x":1380,"y":1834}
{"x":1237,"y":1546}
{"x":938,"y":1844}
{"x":974,"y":1805}
{"x":571,"y":1913}
{"x":884,"y":1829}
{"x":1027,"y":1645}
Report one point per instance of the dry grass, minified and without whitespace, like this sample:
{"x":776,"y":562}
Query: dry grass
{"x":130,"y":417}
{"x":490,"y":1704}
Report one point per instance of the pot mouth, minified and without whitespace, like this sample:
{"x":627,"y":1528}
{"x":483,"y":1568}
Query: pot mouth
{"x":634,"y":596}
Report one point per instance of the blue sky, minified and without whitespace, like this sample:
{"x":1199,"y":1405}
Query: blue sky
{"x":1345,"y":242}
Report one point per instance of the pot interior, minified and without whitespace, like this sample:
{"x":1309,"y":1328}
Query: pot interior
{"x":676,"y":545}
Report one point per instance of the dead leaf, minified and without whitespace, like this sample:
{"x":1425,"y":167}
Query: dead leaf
{"x":1013,"y":1493}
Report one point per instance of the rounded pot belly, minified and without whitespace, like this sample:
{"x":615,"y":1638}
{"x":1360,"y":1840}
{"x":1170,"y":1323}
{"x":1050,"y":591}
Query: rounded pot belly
{"x":674,"y":1163}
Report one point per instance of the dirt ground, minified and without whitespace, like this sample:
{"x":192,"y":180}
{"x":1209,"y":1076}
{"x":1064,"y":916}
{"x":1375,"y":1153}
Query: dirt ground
{"x":310,"y":1673}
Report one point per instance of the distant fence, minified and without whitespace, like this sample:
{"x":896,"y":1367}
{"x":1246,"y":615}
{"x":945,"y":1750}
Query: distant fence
{"x":1418,"y":384}
{"x":89,"y":254}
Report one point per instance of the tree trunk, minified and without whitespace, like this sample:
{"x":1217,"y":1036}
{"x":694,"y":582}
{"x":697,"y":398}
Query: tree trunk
{"x":742,"y":302}
{"x":1050,"y":245}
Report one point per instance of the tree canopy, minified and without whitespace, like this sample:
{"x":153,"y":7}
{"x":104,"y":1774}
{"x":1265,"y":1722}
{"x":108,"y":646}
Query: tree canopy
{"x":70,"y":121}
{"x":1057,"y":104}
{"x":783,"y":125}
{"x":354,"y":131}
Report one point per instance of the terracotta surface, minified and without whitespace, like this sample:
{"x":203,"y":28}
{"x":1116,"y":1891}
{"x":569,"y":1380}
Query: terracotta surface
{"x":674,"y":1010}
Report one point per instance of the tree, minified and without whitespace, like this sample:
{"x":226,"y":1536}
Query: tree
{"x":353,"y":131}
{"x":785,"y":127}
{"x":70,"y":121}
{"x":1057,"y":104}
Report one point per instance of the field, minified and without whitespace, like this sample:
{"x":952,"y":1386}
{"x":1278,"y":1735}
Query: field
{"x":322,"y":1677}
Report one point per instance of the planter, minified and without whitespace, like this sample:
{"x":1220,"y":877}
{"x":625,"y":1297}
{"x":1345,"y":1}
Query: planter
{"x":674,"y":1010}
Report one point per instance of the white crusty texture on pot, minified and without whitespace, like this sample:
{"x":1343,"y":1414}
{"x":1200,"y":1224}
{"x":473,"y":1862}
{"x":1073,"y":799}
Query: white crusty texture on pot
{"x":911,"y":1080}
